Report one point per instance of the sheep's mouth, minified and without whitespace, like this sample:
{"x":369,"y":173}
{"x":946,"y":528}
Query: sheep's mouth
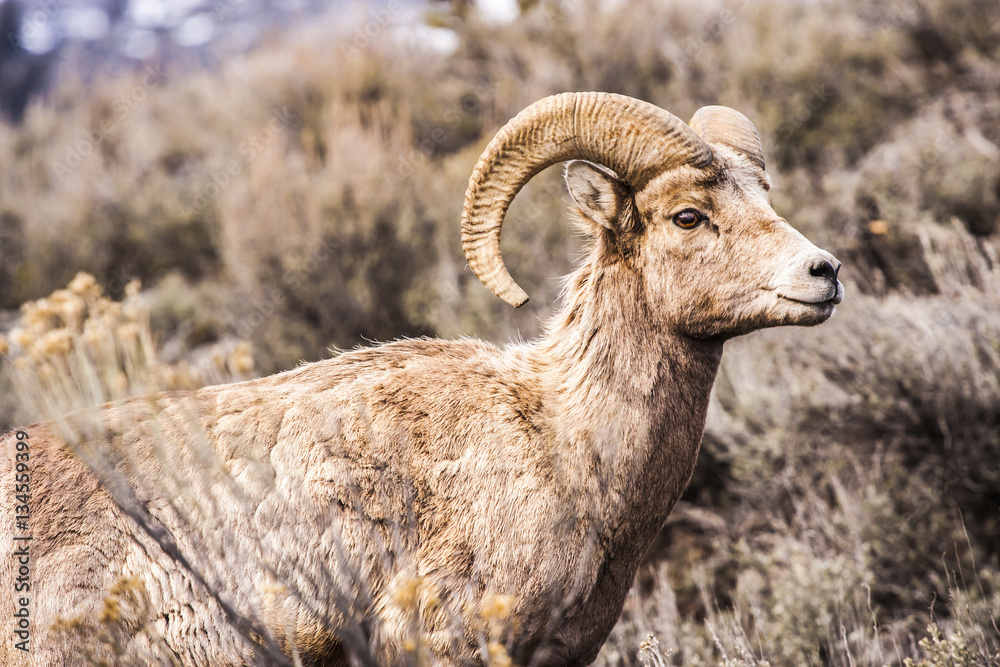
{"x":832,"y":301}
{"x":834,"y":295}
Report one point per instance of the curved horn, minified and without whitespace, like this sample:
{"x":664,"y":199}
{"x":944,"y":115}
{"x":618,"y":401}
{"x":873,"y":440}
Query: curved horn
{"x":634,"y":138}
{"x":728,"y":127}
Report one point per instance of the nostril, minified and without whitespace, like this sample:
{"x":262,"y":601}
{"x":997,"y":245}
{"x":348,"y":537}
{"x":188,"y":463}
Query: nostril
{"x":825,"y":269}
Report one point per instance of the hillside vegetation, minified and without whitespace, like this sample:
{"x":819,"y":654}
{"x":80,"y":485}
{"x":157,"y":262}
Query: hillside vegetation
{"x":307,"y":197}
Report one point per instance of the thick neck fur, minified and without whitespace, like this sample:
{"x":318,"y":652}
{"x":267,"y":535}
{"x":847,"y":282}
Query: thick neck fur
{"x":630,"y":396}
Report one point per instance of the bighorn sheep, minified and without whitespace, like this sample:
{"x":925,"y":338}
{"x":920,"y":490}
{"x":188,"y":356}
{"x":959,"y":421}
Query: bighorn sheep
{"x":427,"y":495}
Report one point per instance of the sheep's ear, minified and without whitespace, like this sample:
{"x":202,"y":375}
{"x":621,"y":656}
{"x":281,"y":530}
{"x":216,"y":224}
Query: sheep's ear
{"x":602,"y":198}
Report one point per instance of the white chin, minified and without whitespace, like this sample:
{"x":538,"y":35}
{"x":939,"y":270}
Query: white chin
{"x":833,"y":295}
{"x":807,"y":313}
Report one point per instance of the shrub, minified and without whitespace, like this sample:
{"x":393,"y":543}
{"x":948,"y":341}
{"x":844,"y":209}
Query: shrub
{"x":307,"y":197}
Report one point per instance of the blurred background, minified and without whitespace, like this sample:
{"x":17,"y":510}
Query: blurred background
{"x":196,"y":191}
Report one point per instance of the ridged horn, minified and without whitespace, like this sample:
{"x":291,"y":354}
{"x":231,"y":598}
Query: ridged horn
{"x":634,"y":138}
{"x":728,"y":127}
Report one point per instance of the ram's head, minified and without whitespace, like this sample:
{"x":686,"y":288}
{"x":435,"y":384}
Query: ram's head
{"x":686,"y":207}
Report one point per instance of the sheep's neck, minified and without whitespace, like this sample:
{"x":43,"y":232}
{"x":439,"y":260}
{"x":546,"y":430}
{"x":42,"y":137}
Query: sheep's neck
{"x":631,"y":398}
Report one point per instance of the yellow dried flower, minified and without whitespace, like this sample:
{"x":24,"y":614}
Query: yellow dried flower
{"x":38,"y":314}
{"x":129,"y":332}
{"x":878,"y":227}
{"x":93,"y":336}
{"x":133,"y":288}
{"x":272,"y":587}
{"x":431,"y":597}
{"x":84,"y":284}
{"x":21,"y":338}
{"x":112,"y":610}
{"x":241,"y":359}
{"x":118,"y":384}
{"x":45,"y":372}
{"x":127,"y":585}
{"x":115,"y":341}
{"x":108,"y":309}
{"x":167,"y":376}
{"x":497,"y":607}
{"x":219,"y":361}
{"x":72,"y":311}
{"x":63,"y":624}
{"x":63,"y":296}
{"x":498,"y":655}
{"x":132,"y":311}
{"x":56,"y":343}
{"x":36,"y":306}
{"x":406,"y":592}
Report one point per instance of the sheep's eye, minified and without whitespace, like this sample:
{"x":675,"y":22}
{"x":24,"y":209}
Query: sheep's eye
{"x":688,"y":218}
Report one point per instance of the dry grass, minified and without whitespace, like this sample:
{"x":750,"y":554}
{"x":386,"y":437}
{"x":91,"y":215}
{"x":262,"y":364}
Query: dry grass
{"x":78,"y":348}
{"x":306,"y":197}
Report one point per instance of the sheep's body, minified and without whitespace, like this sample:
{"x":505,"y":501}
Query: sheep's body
{"x":380,"y":498}
{"x":344,"y":431}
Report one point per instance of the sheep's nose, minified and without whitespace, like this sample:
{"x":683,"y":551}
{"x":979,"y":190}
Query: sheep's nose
{"x":825,"y":269}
